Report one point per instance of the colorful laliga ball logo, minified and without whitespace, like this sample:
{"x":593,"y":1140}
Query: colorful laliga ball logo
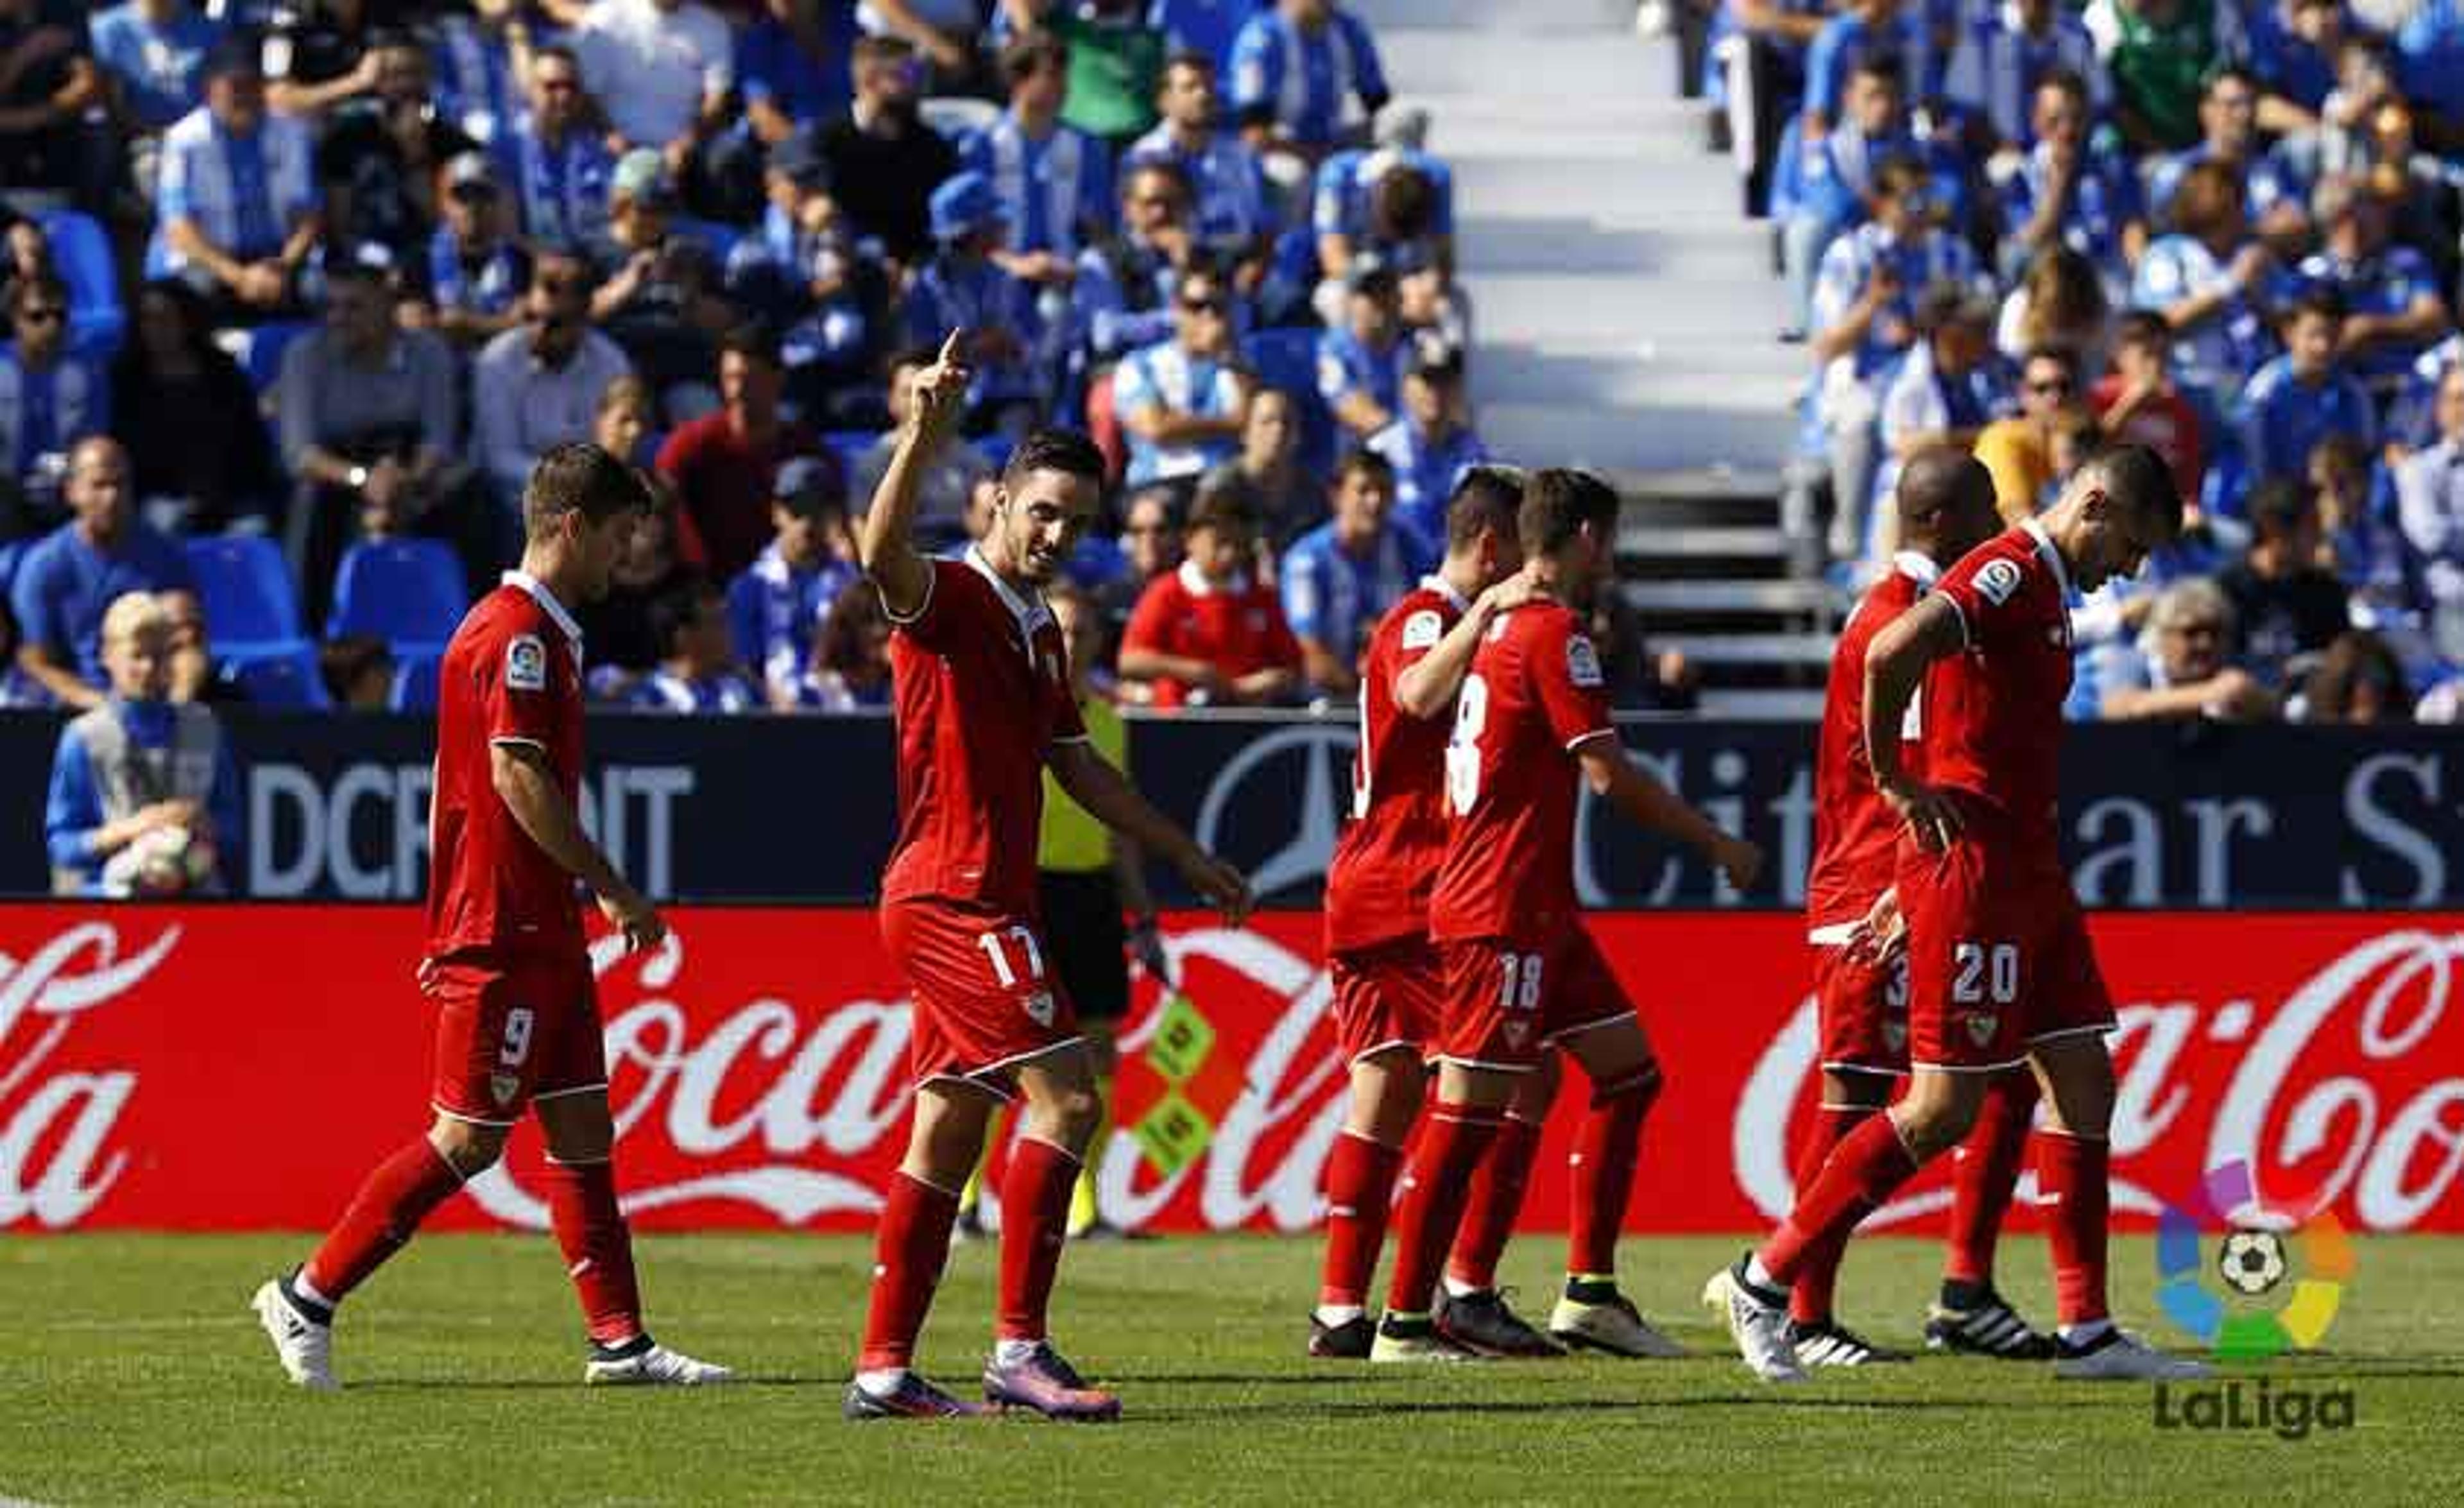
{"x":2252,"y":1262}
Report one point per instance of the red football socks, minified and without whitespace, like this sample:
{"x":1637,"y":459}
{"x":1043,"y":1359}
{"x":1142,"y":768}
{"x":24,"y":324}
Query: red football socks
{"x":597,"y":1248}
{"x":1818,"y":1272}
{"x":381,"y":1218}
{"x":1035,"y":1221}
{"x":1451,"y":1147}
{"x":908,"y":1251}
{"x":1857,"y":1175}
{"x":1359,"y":1188}
{"x":2078,"y":1203}
{"x":1496,"y":1199}
{"x":1607,"y":1146}
{"x":1983,"y":1171}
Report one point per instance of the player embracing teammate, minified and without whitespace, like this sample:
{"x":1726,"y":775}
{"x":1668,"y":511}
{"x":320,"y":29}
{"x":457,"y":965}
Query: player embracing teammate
{"x":2001,"y":973}
{"x":1508,"y":973}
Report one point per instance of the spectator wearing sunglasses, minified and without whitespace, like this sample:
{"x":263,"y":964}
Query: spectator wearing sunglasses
{"x":1183,"y":401}
{"x":49,"y":399}
{"x":2019,"y":450}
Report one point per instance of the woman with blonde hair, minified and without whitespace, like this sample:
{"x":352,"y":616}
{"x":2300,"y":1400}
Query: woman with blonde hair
{"x":2058,"y":304}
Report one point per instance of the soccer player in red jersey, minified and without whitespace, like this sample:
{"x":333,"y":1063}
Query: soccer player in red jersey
{"x":2000,"y":968}
{"x":1389,"y":991}
{"x":983,"y":705}
{"x":1520,"y":973}
{"x":507,"y":966}
{"x":1945,"y":509}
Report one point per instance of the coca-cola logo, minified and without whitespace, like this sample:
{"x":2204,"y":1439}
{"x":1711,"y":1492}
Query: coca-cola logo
{"x":56,"y":1157}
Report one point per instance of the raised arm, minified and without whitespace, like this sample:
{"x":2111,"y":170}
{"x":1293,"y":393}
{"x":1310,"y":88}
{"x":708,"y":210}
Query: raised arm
{"x":1895,"y":666}
{"x":1094,"y":784}
{"x":544,"y":809}
{"x":886,"y":546}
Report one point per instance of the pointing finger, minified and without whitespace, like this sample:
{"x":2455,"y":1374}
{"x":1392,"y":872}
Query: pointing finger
{"x":950,"y":347}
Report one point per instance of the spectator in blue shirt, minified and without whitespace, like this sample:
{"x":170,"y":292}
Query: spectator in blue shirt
{"x":560,"y":169}
{"x":964,"y":288}
{"x":2394,"y":309}
{"x":144,"y":794}
{"x":1295,"y":69}
{"x":1431,"y":446}
{"x":696,"y":670}
{"x":2006,"y":50}
{"x":237,"y":196}
{"x":776,"y":606}
{"x":1184,"y":402}
{"x":69,"y":577}
{"x":1395,"y":204}
{"x":1865,"y":29}
{"x":1124,"y":283}
{"x":49,"y":398}
{"x":477,"y":273}
{"x":1340,"y":578}
{"x":1232,"y":211}
{"x":2429,"y":61}
{"x":2293,"y":48}
{"x":2210,"y":281}
{"x":2304,"y":395}
{"x":1945,"y":390}
{"x":2072,"y":189}
{"x":2277,"y":191}
{"x":2429,"y":508}
{"x":782,"y":70}
{"x":1054,"y":180}
{"x":1834,"y":180}
{"x":1360,"y":361}
{"x":476,"y":60}
{"x":2412,"y":420}
{"x":155,"y":51}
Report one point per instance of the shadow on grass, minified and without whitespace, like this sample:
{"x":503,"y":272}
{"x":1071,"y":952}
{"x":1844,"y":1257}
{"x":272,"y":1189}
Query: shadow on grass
{"x":542,"y":1385}
{"x":1513,"y":1407}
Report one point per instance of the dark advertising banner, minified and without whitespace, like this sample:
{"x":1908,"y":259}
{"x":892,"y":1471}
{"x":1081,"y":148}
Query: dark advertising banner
{"x":803,"y":809}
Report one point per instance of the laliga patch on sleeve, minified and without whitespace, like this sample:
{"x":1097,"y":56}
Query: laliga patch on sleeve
{"x":1422,"y":630}
{"x":1582,"y":662}
{"x":526,"y":663}
{"x":1998,"y":580}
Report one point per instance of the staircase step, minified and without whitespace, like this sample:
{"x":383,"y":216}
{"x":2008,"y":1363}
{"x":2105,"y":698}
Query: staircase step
{"x":1766,"y":380}
{"x":1723,"y":596}
{"x":1644,"y":540}
{"x":1565,"y":245}
{"x":1747,"y":306}
{"x":1571,"y":63}
{"x":1388,"y":17}
{"x":1762,"y":704}
{"x":1607,"y":437}
{"x":1752,"y":649}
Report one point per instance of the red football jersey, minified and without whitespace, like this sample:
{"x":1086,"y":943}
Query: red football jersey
{"x":1534,"y":694}
{"x":1855,"y":833}
{"x":1991,"y":717}
{"x":512,"y":674}
{"x":1240,"y":629}
{"x":981,"y":688}
{"x":1377,"y":887}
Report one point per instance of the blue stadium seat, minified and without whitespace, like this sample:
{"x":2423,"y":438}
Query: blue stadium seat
{"x":286,"y":681}
{"x":261,"y":350}
{"x":81,"y":251}
{"x":250,"y":605}
{"x":414,"y":681}
{"x":403,"y":591}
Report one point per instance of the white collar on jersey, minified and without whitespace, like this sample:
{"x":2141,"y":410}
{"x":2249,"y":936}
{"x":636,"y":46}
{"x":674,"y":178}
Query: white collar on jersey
{"x":1917,"y":566}
{"x":1029,"y":612}
{"x":1433,"y":582}
{"x":2053,"y":557}
{"x":547,"y":602}
{"x":1194,"y":581}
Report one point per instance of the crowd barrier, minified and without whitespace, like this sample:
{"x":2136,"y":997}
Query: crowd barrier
{"x":716,"y":808}
{"x":240,"y":1066}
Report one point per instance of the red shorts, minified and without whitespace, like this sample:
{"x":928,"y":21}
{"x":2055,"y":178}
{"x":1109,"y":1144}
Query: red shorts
{"x":1508,"y":1002}
{"x":986,"y":999}
{"x":1998,"y":955}
{"x":511,"y":1029}
{"x":1863,"y":1008}
{"x":1391,"y":994}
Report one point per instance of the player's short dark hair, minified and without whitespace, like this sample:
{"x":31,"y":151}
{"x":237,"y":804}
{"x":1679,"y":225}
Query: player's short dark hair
{"x":2141,"y":481}
{"x":1558,"y":501}
{"x":1486,"y":498}
{"x":1028,"y":52}
{"x":1068,"y":452}
{"x":674,"y":611}
{"x":2326,"y":301}
{"x":754,"y":341}
{"x":1360,"y":460}
{"x":581,"y":477}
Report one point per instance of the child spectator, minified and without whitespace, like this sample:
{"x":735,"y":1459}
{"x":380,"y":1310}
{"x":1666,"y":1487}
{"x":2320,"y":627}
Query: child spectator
{"x":1212,"y":633}
{"x":2304,"y":395}
{"x":773,"y":608}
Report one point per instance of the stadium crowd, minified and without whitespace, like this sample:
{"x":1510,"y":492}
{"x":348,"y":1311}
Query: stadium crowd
{"x":2226,"y":229}
{"x":299,"y":291}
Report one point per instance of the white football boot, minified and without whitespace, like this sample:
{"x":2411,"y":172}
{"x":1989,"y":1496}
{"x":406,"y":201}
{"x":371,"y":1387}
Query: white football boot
{"x":1758,"y":1326}
{"x":304,"y":1347}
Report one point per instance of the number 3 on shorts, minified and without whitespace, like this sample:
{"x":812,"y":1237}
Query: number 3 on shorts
{"x":991,"y":944}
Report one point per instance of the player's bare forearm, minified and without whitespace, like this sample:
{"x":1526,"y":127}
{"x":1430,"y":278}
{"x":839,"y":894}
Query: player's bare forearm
{"x":886,"y":546}
{"x":1895,"y":664}
{"x":1426,"y":687}
{"x":1097,"y":784}
{"x":545,"y":812}
{"x":1641,"y":798}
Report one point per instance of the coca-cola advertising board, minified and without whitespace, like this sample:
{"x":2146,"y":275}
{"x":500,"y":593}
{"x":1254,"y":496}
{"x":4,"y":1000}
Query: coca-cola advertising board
{"x":239,"y":1067}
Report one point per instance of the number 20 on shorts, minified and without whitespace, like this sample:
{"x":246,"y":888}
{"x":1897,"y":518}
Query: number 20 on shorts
{"x":1981,"y":972}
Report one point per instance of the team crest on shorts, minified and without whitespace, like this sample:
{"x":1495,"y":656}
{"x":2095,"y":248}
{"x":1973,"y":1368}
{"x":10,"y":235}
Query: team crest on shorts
{"x":1516,"y":1032}
{"x":1038,"y":1008}
{"x":1895,"y":1033}
{"x":504,"y":1086}
{"x":1980,"y":1028}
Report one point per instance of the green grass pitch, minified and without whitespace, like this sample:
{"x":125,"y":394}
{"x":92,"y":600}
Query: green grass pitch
{"x":131,"y":1371}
